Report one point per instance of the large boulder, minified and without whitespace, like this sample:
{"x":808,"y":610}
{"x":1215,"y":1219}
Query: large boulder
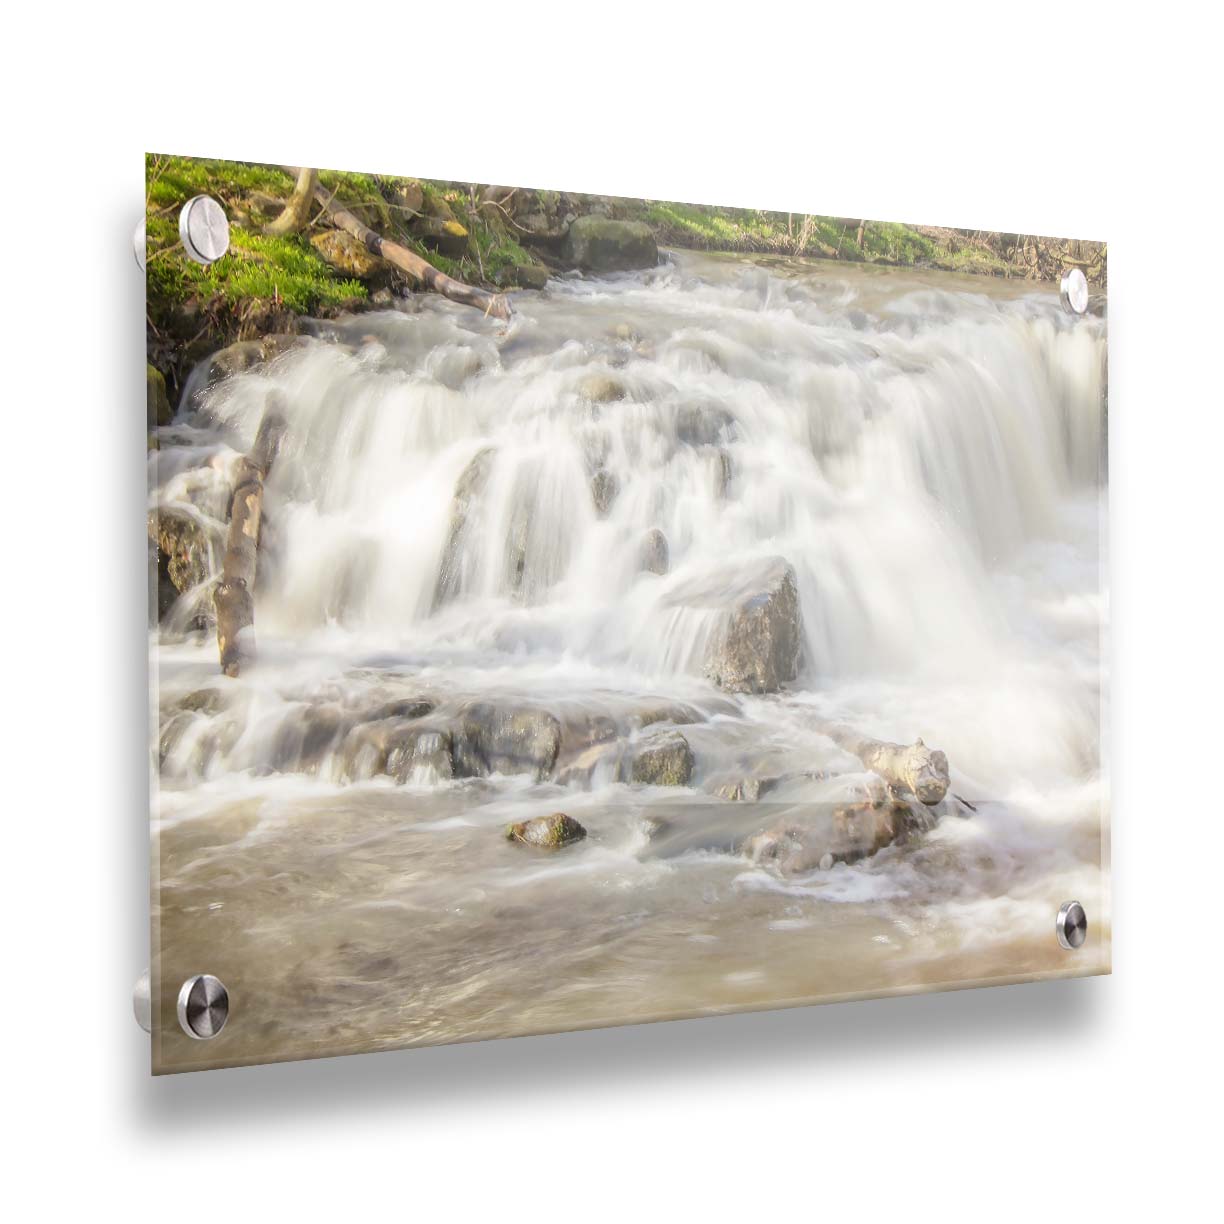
{"x":350,"y":257}
{"x":597,"y":244}
{"x":663,"y":759}
{"x":490,"y":738}
{"x":757,"y":647}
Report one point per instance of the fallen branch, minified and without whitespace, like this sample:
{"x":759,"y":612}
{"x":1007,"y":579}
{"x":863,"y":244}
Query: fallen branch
{"x":234,"y":596}
{"x":296,"y":212}
{"x":912,"y":769}
{"x":418,"y":270}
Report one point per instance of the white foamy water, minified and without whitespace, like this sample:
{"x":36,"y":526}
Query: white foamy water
{"x":927,"y":454}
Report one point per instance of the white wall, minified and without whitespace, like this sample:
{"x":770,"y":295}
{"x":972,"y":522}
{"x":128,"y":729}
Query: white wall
{"x":1073,"y":1100}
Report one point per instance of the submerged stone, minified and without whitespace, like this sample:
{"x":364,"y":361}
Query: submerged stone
{"x":470,"y":485}
{"x":604,"y":488}
{"x":838,"y":833}
{"x":547,"y":832}
{"x":505,"y":739}
{"x":653,"y":553}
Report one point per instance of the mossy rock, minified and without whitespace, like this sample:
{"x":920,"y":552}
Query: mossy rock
{"x":157,"y":402}
{"x":447,"y":237}
{"x":598,"y":244}
{"x":522,"y":276}
{"x":547,"y":832}
{"x":350,"y":257}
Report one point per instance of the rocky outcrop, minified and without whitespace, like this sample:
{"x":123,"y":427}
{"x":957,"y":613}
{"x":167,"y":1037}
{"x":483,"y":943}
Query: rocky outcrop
{"x":547,"y":832}
{"x":652,"y":552}
{"x":663,"y":759}
{"x":350,"y":258}
{"x":758,"y":649}
{"x":491,"y":739}
{"x":598,"y":244}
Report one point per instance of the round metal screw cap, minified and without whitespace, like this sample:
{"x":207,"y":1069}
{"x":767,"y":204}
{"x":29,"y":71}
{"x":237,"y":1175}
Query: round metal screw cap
{"x":1073,"y":291}
{"x":1072,"y":925}
{"x":204,"y":229}
{"x":203,"y":1006}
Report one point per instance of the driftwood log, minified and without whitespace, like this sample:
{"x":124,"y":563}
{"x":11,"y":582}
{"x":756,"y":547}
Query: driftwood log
{"x":910,"y":769}
{"x":419,"y":271}
{"x":296,"y":212}
{"x":234,"y":596}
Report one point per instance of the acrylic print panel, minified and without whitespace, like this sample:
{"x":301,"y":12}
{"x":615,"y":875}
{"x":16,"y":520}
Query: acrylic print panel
{"x":572,"y":610}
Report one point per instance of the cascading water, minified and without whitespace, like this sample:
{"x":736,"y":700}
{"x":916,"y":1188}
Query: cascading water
{"x":464,"y":511}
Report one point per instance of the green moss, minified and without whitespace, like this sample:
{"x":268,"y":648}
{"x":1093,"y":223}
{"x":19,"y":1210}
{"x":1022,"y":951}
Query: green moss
{"x":281,"y":272}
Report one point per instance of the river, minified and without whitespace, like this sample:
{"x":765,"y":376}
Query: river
{"x":925,"y":451}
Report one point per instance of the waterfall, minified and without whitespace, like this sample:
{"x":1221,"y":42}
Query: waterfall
{"x":555,"y":515}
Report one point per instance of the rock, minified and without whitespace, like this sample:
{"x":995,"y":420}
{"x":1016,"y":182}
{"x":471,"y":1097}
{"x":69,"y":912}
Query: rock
{"x":597,"y":244}
{"x":829,"y":834}
{"x":245,"y":355}
{"x":722,"y":473}
{"x":667,"y":711}
{"x":446,"y":236}
{"x":601,"y":387}
{"x":746,"y":790}
{"x":471,"y":483}
{"x":758,"y":649}
{"x":703,"y":424}
{"x":423,"y":754}
{"x":652,"y":553}
{"x":409,"y":195}
{"x":382,"y":298}
{"x":505,"y":739}
{"x":522,"y":276}
{"x":305,"y":739}
{"x":157,"y":402}
{"x":401,"y":707}
{"x":663,"y":759}
{"x":604,"y":488}
{"x":184,"y":552}
{"x":548,"y":832}
{"x":350,"y":257}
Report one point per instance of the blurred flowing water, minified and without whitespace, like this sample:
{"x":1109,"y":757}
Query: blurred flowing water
{"x":926,"y":451}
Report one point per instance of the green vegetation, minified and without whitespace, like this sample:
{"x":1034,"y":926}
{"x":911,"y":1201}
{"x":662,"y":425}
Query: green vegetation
{"x":491,"y":237}
{"x":742,"y":229}
{"x":260,"y":272}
